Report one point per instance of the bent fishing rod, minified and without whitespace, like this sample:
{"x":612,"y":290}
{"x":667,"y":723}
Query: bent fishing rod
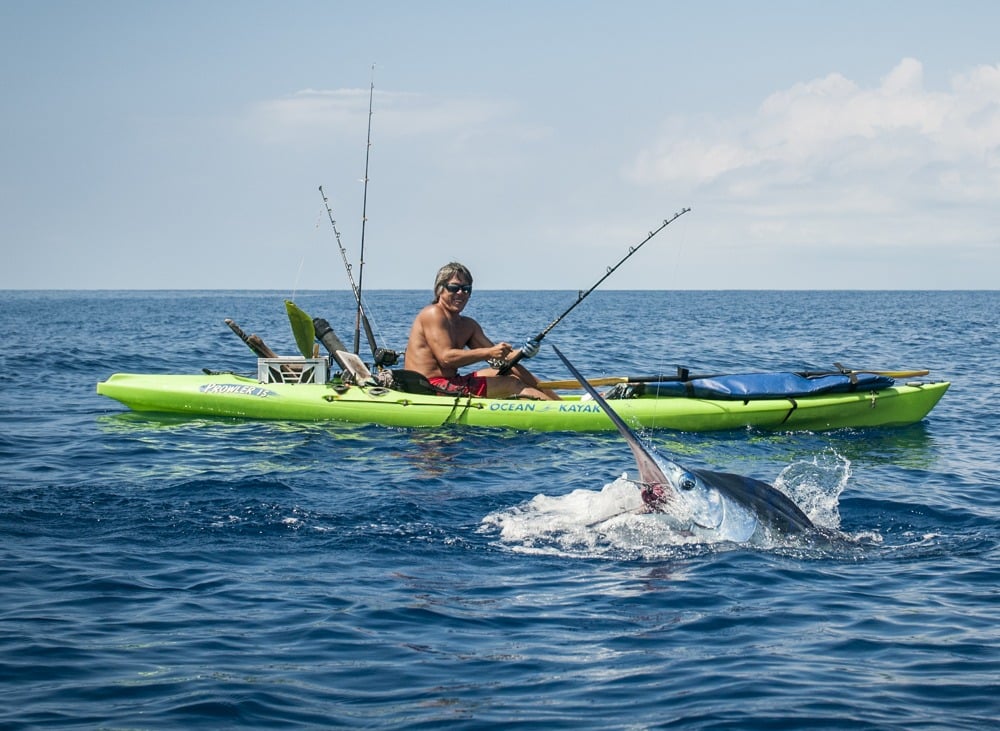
{"x":581,"y":296}
{"x":362,"y":317}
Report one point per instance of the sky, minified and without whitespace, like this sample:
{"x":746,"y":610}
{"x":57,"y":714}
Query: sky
{"x":181,"y":145}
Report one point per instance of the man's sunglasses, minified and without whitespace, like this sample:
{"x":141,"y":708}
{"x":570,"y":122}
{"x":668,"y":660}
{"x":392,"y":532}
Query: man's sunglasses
{"x":455,"y":288}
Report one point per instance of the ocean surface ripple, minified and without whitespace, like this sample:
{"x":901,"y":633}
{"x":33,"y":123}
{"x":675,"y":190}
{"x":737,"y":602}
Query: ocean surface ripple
{"x":162,"y":572}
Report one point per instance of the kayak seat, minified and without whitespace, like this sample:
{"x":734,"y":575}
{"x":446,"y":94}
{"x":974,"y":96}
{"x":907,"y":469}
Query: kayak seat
{"x":414,"y":382}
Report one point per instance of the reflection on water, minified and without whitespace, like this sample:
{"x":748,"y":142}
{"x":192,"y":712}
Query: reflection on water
{"x":431,"y":452}
{"x":910,"y":446}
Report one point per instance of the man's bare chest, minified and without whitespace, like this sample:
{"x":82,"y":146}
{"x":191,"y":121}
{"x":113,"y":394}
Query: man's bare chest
{"x":460,"y":331}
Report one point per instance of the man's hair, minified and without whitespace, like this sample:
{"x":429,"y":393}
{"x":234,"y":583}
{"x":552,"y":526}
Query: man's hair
{"x":445,"y":273}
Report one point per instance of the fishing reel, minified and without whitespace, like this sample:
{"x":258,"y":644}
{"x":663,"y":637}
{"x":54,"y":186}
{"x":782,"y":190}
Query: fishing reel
{"x":385,"y":357}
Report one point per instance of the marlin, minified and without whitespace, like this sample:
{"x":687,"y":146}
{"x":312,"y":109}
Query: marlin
{"x":713,"y":506}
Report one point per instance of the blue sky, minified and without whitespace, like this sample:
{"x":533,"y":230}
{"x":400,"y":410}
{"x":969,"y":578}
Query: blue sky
{"x":176,"y":145}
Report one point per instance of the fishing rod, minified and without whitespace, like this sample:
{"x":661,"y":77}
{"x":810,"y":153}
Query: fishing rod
{"x":362,"y":317}
{"x":364,"y":219}
{"x":581,"y":296}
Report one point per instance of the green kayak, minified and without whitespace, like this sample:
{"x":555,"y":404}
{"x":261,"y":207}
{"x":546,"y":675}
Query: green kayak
{"x":229,"y":395}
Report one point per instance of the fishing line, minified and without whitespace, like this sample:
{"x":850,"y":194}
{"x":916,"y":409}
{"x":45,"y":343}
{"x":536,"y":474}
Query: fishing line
{"x":298,"y":277}
{"x":506,"y":367}
{"x":661,"y":359}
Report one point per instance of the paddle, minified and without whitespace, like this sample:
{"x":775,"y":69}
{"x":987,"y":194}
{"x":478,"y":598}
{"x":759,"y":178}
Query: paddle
{"x":608,"y":381}
{"x":302,"y":328}
{"x":612,"y":380}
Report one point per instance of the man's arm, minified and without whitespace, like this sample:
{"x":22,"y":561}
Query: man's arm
{"x":452,"y":355}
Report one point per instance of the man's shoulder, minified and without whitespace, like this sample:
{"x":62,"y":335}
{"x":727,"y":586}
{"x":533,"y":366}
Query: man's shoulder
{"x":434,"y":313}
{"x":430,"y":312}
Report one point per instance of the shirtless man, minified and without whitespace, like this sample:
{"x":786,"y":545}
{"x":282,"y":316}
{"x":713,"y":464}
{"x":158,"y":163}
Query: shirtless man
{"x":442,"y":340}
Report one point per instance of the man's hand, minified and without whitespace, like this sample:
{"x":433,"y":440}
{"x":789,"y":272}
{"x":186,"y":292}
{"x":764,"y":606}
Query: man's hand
{"x":500,"y":351}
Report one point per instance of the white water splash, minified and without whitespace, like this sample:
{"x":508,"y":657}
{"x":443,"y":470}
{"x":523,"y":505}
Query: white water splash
{"x":612,"y":520}
{"x":816,"y":485}
{"x":586,"y":522}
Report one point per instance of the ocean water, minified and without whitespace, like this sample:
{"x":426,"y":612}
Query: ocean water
{"x":167,"y":573}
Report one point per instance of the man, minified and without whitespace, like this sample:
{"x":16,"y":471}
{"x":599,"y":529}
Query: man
{"x":442,"y":340}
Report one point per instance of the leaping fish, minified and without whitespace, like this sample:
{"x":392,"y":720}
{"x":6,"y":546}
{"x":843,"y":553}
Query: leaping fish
{"x":714,"y":506}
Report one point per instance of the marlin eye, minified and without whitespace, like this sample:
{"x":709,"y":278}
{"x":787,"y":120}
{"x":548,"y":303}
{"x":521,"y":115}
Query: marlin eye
{"x":687,"y":484}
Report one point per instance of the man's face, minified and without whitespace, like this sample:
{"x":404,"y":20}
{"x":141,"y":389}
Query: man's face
{"x":456,"y":293}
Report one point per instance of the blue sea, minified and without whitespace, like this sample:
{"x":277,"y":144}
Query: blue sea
{"x":162,"y":572}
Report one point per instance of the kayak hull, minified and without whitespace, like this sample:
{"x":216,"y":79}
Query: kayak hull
{"x":228,"y":395}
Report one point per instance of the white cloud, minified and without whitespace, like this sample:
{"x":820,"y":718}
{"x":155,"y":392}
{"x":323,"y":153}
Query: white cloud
{"x":398,"y":114}
{"x":436,"y":134}
{"x":842,"y":138}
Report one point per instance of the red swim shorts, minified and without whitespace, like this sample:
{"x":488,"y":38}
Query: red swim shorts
{"x":471,"y":385}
